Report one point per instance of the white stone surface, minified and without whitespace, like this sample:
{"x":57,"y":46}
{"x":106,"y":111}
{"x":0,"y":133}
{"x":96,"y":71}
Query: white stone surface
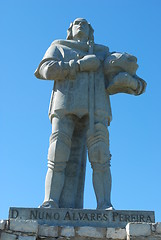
{"x":91,"y":232}
{"x":80,"y":217}
{"x":158,"y":227}
{"x":153,"y":227}
{"x":8,"y":236}
{"x":138,"y":229}
{"x":2,"y":224}
{"x":27,"y":238}
{"x":23,"y":226}
{"x":67,"y":232}
{"x":80,"y":68}
{"x":48,"y":231}
{"x":116,"y":233}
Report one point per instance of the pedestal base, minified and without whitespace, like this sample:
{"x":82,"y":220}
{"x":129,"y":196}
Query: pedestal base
{"x":75,"y":224}
{"x":81,"y":217}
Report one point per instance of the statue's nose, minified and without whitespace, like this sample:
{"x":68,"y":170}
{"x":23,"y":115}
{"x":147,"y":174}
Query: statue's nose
{"x":80,"y":23}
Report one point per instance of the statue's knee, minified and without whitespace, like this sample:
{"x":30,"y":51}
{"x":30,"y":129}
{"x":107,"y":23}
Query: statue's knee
{"x":56,"y":166}
{"x":100,"y":167}
{"x":59,"y":150}
{"x":98,"y":145}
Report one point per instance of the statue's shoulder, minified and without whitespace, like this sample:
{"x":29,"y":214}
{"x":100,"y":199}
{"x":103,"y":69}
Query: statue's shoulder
{"x":101,"y":51}
{"x":52,"y":53}
{"x":53,"y":50}
{"x":101,"y":48}
{"x":58,"y":42}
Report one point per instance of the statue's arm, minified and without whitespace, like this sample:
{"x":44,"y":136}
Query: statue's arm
{"x":57,"y":70}
{"x":51,"y":69}
{"x":123,"y":82}
{"x":54,"y":67}
{"x":120,"y":71}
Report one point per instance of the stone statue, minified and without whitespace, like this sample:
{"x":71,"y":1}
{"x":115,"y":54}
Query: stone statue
{"x":84,"y":75}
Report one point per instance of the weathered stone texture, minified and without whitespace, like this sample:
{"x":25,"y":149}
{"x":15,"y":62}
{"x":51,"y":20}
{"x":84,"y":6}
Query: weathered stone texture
{"x":8,"y":236}
{"x":48,"y":231}
{"x":30,"y":230}
{"x":138,"y":229}
{"x":3,"y":224}
{"x":27,"y":238}
{"x":158,"y":227}
{"x":91,"y":232}
{"x":144,"y":238}
{"x":116,"y":233}
{"x":85,"y":74}
{"x":23,"y":226}
{"x":67,"y":232}
{"x":81,"y":217}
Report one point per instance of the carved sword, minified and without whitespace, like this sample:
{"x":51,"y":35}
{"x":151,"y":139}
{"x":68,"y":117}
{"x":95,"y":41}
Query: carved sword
{"x":91,"y":92}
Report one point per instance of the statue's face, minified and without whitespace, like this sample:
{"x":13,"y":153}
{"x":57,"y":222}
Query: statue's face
{"x":80,"y":29}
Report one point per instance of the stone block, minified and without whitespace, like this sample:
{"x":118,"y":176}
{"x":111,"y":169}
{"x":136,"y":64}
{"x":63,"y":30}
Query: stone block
{"x":67,"y":232}
{"x":8,"y":236}
{"x":153,"y":227}
{"x":158,"y":227}
{"x":81,"y":217}
{"x":50,"y":238}
{"x":3,"y":224}
{"x":138,"y":229}
{"x":116,"y":233}
{"x":144,"y":238}
{"x":138,"y":238}
{"x":153,"y":238}
{"x":91,"y":232}
{"x":48,"y":231}
{"x":23,"y":226}
{"x":27,"y":238}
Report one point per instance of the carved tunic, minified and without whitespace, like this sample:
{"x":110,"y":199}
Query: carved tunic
{"x":71,"y":92}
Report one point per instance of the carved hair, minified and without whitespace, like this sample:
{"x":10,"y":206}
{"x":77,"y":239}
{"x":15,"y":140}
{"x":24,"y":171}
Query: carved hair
{"x":70,"y":35}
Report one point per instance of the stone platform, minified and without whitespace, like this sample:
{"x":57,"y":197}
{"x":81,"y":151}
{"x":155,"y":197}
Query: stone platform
{"x":79,"y":224}
{"x":31,"y":230}
{"x":81,"y":217}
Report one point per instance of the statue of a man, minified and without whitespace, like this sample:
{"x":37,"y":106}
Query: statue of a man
{"x":84,"y":75}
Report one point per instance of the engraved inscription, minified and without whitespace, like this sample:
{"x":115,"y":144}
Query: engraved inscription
{"x":36,"y":215}
{"x":79,"y":217}
{"x":14,"y":213}
{"x":130,"y":218}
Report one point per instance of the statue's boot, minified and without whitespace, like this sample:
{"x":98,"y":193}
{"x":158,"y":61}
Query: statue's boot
{"x":49,"y":204}
{"x":58,"y":155}
{"x":102,"y":185}
{"x":99,"y":157}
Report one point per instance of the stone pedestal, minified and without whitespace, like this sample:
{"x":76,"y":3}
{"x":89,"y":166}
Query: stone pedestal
{"x":21,"y":226}
{"x":81,"y":217}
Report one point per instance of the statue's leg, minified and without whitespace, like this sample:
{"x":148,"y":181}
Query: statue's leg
{"x":58,"y":155}
{"x":73,"y":190}
{"x":99,"y":157}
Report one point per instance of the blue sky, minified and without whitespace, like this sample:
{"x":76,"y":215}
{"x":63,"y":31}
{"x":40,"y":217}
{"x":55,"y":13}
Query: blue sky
{"x":27,"y":29}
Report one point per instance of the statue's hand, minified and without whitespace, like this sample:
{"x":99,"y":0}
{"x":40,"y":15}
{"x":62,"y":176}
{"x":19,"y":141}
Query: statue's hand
{"x":89,"y":63}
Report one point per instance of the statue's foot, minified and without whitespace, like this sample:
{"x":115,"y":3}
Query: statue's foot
{"x":49,"y":204}
{"x":110,"y":208}
{"x":106,"y":207}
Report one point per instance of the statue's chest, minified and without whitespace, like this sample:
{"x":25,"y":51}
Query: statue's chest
{"x":68,"y":53}
{"x":71,"y":53}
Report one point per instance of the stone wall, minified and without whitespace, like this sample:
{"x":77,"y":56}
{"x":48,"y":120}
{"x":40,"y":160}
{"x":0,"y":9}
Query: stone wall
{"x":31,"y":230}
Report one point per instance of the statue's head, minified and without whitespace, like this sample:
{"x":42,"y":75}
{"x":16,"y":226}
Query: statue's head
{"x":81,"y":30}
